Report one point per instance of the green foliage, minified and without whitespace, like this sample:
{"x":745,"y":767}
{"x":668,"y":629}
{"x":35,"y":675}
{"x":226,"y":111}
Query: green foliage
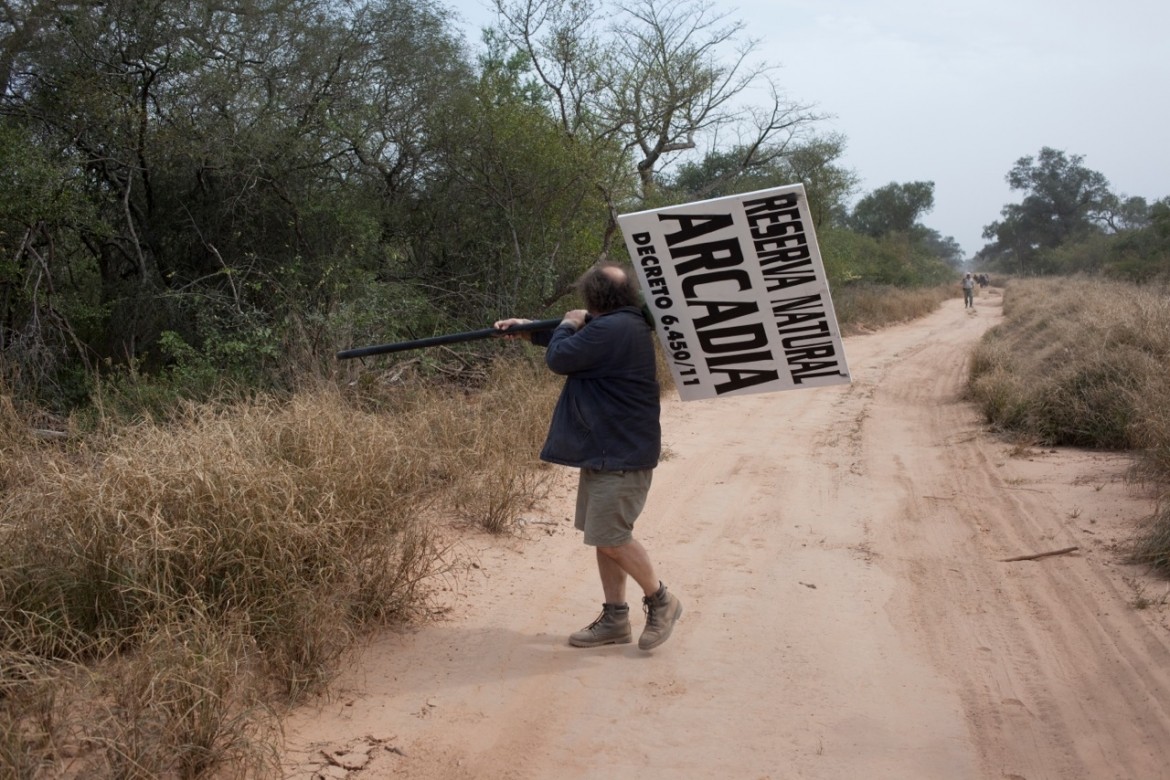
{"x":896,"y":251}
{"x":1063,"y":202}
{"x":1089,"y":255}
{"x":846,"y":255}
{"x":894,"y":208}
{"x":520,"y":202}
{"x":47,"y":306}
{"x":945,"y":248}
{"x":1143,"y":254}
{"x":910,"y":252}
{"x":236,"y":166}
{"x":813,"y":163}
{"x":1138,"y":253}
{"x":895,"y":259}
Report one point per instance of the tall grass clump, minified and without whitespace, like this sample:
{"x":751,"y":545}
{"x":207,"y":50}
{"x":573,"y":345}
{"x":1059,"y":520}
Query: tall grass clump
{"x":263,"y":511}
{"x":1076,"y":362}
{"x":1083,"y":362}
{"x":495,"y":433}
{"x":1152,"y":435}
{"x":164,"y":584}
{"x":195,"y":568}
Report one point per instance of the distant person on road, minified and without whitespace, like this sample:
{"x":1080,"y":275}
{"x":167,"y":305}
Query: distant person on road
{"x":606,"y":423}
{"x":968,"y":285}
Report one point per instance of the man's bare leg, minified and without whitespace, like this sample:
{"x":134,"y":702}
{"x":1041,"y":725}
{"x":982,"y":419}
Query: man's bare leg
{"x":613,"y":578}
{"x":614,"y":563}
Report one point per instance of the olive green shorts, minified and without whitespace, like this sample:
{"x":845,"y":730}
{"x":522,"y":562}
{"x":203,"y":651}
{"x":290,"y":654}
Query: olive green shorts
{"x":608,"y":503}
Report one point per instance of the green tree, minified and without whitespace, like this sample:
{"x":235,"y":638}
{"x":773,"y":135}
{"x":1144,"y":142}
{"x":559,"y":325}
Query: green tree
{"x":1121,"y":213}
{"x":892,"y":215}
{"x":1136,"y":249}
{"x":896,"y":259}
{"x":240,"y":164}
{"x":45,"y":318}
{"x":829,"y":185}
{"x":946,"y":248}
{"x":1142,"y":254}
{"x":812,"y":162}
{"x":1063,"y":201}
{"x":894,"y":208}
{"x":518,"y":196}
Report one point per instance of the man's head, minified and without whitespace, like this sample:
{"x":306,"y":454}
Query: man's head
{"x":607,"y":287}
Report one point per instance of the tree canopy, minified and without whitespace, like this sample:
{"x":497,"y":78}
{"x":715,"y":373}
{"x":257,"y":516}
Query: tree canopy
{"x":1063,"y":200}
{"x":894,"y":208}
{"x":205,"y":192}
{"x":1070,"y":220}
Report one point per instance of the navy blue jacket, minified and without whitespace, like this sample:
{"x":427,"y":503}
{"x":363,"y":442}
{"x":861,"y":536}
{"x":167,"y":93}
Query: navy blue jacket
{"x":607,"y":417}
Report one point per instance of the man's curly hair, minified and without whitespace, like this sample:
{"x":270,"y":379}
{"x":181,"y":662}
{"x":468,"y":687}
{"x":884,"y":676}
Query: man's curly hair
{"x":607,"y":287}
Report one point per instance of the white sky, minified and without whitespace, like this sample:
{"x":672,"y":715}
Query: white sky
{"x":933,"y":90}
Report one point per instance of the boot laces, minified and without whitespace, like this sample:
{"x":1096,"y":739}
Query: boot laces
{"x":601,"y":618}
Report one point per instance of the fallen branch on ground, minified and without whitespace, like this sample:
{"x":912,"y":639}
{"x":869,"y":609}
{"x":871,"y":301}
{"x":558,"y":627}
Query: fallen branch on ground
{"x":1034,"y":556}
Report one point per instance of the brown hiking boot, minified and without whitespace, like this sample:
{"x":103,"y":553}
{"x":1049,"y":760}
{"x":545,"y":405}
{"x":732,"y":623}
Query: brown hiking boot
{"x":612,"y":627}
{"x":662,"y":611}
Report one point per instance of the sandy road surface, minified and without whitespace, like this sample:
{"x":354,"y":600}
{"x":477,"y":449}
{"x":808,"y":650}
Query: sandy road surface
{"x":848,"y":614}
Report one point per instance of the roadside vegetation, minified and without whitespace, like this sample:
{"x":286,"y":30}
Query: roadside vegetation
{"x":166,"y":586}
{"x":1070,"y":221}
{"x":866,"y":308}
{"x":1083,"y":362}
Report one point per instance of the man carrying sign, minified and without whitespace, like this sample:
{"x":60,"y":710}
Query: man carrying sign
{"x":606,"y":423}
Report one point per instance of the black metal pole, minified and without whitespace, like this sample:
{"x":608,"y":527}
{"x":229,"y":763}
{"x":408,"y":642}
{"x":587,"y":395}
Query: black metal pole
{"x":450,"y":338}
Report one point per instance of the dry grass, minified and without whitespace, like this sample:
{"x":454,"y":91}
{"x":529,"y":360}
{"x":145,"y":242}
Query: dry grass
{"x":160,"y":584}
{"x":866,"y":308}
{"x":1077,"y":362}
{"x":1083,"y":362}
{"x":496,"y":458}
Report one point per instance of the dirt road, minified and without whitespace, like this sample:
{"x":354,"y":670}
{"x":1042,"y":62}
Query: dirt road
{"x":848,"y":612}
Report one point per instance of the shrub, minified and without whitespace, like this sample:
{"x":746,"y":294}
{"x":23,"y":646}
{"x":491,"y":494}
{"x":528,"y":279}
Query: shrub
{"x":193,"y":565}
{"x":1083,"y":362}
{"x":1072,"y":362}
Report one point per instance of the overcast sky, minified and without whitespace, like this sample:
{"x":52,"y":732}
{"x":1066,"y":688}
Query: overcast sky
{"x":930,"y":91}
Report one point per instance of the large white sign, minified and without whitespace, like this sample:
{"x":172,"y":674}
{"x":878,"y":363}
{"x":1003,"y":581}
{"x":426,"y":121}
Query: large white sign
{"x":739,"y":293}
